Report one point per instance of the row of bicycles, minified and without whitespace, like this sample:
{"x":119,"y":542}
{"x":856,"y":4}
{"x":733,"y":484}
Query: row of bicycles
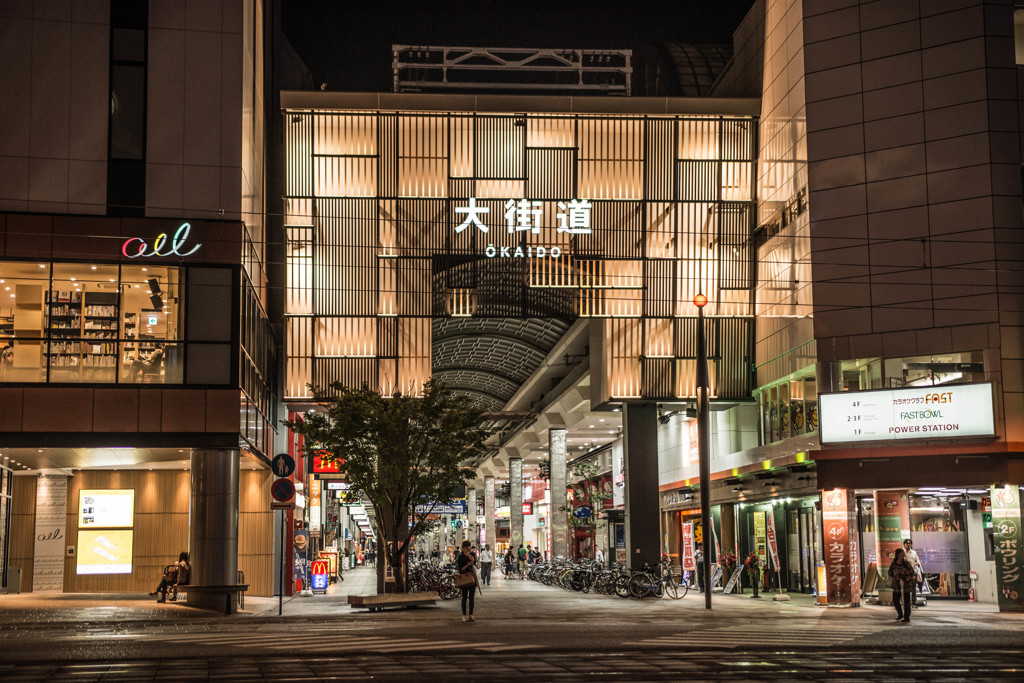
{"x":429,"y":577}
{"x":586,"y":575}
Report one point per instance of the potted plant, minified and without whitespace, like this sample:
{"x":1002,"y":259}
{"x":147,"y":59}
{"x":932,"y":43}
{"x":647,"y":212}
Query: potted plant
{"x":728,"y":562}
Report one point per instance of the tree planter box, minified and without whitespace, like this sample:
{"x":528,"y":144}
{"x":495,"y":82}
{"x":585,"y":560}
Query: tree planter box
{"x":379,"y":602}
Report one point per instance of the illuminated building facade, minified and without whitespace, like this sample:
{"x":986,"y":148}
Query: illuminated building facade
{"x":400,"y":212}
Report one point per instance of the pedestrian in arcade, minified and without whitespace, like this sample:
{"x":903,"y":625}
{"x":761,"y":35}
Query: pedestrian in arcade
{"x":509,"y":562}
{"x":903,"y":582}
{"x":486,"y":559}
{"x":521,"y":553}
{"x":467,"y":565}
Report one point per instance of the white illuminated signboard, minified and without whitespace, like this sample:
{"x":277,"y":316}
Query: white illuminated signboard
{"x":106,"y":508}
{"x":938,"y":412}
{"x":106,"y":551}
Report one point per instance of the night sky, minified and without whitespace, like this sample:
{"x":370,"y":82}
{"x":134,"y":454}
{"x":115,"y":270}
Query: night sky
{"x":347,"y":44}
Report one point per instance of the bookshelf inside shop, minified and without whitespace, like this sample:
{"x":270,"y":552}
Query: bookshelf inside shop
{"x":82,"y":327}
{"x":99,"y":330}
{"x":64,"y":326}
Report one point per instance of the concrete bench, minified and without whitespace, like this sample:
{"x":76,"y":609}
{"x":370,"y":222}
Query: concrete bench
{"x":376,"y":603}
{"x":230,"y":591}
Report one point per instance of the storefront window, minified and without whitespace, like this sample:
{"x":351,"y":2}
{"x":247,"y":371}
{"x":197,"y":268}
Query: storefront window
{"x":938,"y":529}
{"x":22,"y":326}
{"x":93,"y":323}
{"x":789,"y":408}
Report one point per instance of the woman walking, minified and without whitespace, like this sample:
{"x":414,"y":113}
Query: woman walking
{"x":467,"y":565}
{"x":904,"y":580}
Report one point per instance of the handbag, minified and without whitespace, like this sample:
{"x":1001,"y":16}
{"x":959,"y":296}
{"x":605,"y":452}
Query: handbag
{"x":890,"y":581}
{"x":465,"y":580}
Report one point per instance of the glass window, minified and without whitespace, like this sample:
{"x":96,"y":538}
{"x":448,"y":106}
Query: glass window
{"x":150,"y":323}
{"x":23,"y":286}
{"x":92,"y":323}
{"x":81,"y":323}
{"x":127,"y":111}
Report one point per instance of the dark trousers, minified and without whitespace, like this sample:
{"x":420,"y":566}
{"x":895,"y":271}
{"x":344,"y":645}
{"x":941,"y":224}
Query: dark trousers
{"x":470,"y":592}
{"x":485,"y":573}
{"x":902,"y":601}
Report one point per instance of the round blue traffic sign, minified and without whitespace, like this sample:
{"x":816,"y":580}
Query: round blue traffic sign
{"x":283,"y":465}
{"x":582,"y":512}
{"x":282,"y":490}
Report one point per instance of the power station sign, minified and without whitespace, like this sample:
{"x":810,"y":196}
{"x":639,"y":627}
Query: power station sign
{"x":933,"y":412}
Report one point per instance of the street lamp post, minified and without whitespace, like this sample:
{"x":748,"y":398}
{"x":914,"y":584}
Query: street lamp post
{"x":703,"y":446}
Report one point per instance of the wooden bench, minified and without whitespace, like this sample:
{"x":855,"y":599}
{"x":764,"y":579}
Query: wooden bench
{"x":376,"y":603}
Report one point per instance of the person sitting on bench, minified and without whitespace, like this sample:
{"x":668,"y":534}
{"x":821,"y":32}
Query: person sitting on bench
{"x":177,"y":575}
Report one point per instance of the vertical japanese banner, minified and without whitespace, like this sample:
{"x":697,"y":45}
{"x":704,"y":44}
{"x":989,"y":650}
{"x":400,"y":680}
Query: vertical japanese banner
{"x":315,"y":505}
{"x":1009,"y":546}
{"x":773,"y":542}
{"x":841,"y":567}
{"x":689,"y":563}
{"x":51,"y":525}
{"x":892,"y":525}
{"x":761,"y":536}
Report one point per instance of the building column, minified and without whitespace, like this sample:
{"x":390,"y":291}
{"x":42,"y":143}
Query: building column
{"x":559,"y":518}
{"x":490,"y":534}
{"x":515,"y":500}
{"x":474,"y":535}
{"x":213,"y":526}
{"x":643,"y":514}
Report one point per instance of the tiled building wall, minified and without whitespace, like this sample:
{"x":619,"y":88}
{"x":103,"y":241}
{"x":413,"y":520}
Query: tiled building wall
{"x":915,"y":186}
{"x":53,"y":140}
{"x":783,"y":292}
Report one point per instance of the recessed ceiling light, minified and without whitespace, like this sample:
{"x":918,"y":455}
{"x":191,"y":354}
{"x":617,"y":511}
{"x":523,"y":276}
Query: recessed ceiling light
{"x":600,"y":419}
{"x":72,"y":279}
{"x":591,"y":426}
{"x":94,"y":267}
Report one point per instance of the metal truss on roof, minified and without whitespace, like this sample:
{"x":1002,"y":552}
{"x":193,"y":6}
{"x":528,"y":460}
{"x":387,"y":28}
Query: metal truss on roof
{"x":488,"y":359}
{"x":428,"y":68}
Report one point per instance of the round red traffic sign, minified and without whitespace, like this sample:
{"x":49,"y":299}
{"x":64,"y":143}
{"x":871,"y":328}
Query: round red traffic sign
{"x":282,"y":490}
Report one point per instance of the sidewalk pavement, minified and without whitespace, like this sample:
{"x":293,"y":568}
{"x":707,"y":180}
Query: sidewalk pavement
{"x":29,"y":609}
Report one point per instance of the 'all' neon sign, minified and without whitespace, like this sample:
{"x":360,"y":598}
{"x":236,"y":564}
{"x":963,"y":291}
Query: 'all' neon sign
{"x":134,"y":247}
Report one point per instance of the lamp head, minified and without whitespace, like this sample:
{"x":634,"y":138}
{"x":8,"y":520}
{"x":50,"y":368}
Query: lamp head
{"x":700,"y":301}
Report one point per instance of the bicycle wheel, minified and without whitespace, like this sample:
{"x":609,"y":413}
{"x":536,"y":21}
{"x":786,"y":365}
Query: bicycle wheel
{"x":672,"y":589}
{"x":622,"y":586}
{"x":446,"y":588}
{"x":637,"y":589}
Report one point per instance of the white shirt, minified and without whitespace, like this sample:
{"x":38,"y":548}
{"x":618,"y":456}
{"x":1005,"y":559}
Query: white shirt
{"x":485,"y":556}
{"x":912,"y":558}
{"x":599,"y":555}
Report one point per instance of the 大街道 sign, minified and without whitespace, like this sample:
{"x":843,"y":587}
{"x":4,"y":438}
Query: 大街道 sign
{"x":526,"y":215}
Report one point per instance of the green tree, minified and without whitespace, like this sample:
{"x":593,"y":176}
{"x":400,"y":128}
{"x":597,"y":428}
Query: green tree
{"x":399,"y":451}
{"x":586,"y":491}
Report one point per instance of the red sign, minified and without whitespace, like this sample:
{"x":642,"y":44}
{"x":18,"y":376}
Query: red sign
{"x":689,"y":563}
{"x":319,"y":567}
{"x":322,"y":466}
{"x":841,"y":563}
{"x":527,"y":508}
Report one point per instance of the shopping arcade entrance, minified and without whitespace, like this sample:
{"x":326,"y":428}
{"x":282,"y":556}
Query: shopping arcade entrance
{"x":403,"y":221}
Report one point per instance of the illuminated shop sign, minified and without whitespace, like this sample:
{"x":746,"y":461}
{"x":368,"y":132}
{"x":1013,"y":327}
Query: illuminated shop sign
{"x":963,"y":410}
{"x":524,"y":215}
{"x":135,"y":247}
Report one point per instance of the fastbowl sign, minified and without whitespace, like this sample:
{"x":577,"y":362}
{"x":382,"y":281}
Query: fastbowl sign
{"x":938,"y":412}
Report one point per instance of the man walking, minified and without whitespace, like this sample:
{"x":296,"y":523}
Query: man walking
{"x":486,"y":558}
